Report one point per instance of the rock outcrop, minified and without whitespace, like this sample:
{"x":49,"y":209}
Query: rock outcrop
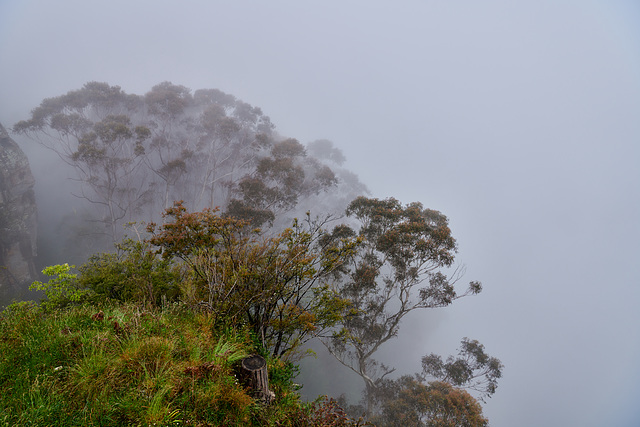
{"x":18,"y":218}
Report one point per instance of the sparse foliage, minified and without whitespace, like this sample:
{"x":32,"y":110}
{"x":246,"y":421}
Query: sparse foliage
{"x":472,"y":369}
{"x":397,"y":270}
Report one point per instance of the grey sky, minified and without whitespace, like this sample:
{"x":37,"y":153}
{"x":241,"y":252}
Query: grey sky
{"x":518,"y":120}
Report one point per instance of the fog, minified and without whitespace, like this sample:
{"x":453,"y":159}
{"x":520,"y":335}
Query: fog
{"x":518,"y":120}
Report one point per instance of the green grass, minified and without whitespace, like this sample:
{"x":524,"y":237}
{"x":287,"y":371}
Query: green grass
{"x":120,"y":365}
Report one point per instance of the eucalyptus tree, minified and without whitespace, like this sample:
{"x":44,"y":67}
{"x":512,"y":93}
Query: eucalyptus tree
{"x":135,"y":154}
{"x":202,"y":143}
{"x":169,"y":149}
{"x":279,"y":181}
{"x":401,"y":267}
{"x":91,"y":130}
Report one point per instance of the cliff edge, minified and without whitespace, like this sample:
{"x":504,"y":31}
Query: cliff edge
{"x":18,"y":218}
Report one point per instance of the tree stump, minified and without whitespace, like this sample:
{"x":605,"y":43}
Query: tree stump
{"x":256,"y":377}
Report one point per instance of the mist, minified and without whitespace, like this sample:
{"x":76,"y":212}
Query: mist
{"x":519,"y":121}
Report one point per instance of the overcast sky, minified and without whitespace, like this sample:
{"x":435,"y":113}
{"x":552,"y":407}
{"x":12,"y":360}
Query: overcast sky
{"x":519,"y":120}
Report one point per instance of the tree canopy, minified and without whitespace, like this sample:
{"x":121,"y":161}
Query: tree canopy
{"x":399,"y":268}
{"x":134,"y":155}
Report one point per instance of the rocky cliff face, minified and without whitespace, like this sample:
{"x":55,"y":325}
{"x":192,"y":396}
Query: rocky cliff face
{"x":18,"y":220}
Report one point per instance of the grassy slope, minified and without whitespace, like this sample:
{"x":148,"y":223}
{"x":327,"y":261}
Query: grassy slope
{"x":169,"y":367}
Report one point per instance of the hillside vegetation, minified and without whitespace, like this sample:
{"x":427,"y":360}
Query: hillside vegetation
{"x":155,"y":331}
{"x":118,"y":364}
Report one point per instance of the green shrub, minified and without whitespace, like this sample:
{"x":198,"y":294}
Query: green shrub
{"x":134,"y":274}
{"x":62,"y":288}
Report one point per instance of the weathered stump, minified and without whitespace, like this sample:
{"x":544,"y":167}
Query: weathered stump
{"x":256,"y":377}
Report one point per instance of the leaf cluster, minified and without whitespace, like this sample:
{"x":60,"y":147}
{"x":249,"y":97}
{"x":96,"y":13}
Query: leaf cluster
{"x":473,"y":368}
{"x":62,"y":288}
{"x":279,"y":181}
